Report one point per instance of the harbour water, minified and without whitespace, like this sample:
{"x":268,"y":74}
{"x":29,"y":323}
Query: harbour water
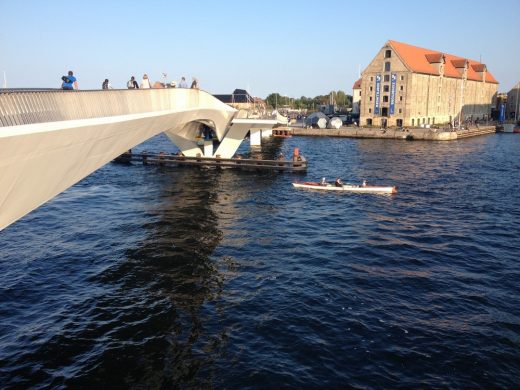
{"x":150,"y":277}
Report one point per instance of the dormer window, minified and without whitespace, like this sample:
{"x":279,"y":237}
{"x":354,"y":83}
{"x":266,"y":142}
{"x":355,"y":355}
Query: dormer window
{"x":388,"y":54}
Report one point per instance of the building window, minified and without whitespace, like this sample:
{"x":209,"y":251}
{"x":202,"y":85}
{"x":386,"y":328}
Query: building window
{"x":433,"y":119}
{"x":387,"y":66}
{"x":386,"y":88}
{"x":370,"y":111}
{"x":388,"y":53}
{"x":428,"y":120}
{"x":399,"y":123}
{"x":423,"y":121}
{"x":400,"y":98}
{"x":371,"y":79}
{"x":413,"y":122}
{"x":387,"y":78}
{"x":402,"y":78}
{"x":400,"y":111}
{"x":370,"y":89}
{"x":370,"y":99}
{"x":385,"y":99}
{"x":369,"y":122}
{"x":401,"y":88}
{"x":359,"y":93}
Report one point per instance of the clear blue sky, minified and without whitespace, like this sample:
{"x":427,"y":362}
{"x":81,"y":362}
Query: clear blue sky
{"x":291,"y":47}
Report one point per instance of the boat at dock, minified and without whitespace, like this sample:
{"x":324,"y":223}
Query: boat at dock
{"x":369,"y":189}
{"x":510,"y":128}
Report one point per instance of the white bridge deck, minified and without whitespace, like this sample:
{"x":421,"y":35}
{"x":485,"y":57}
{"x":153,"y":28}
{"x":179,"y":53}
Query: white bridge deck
{"x":50,"y":140}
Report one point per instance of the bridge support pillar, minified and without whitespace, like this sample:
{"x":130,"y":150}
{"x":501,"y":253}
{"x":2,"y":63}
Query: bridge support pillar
{"x":266,"y":133}
{"x":255,"y":137}
{"x":238,"y":130}
{"x":208,"y":148}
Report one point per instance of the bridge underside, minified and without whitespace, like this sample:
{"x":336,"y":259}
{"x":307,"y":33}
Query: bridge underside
{"x":38,"y":160}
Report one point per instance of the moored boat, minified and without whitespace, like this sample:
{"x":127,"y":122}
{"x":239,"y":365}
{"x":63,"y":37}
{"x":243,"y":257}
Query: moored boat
{"x":510,"y":128}
{"x":347,"y":187}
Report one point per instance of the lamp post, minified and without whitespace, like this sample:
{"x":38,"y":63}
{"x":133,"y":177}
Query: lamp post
{"x":517,"y":102}
{"x":461,"y":95}
{"x":462,"y":79}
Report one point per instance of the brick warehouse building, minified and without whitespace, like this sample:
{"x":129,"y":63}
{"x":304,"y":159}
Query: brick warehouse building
{"x":406,"y":85}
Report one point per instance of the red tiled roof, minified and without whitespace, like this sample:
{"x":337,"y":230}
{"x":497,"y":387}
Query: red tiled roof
{"x":357,"y":84}
{"x":420,"y":60}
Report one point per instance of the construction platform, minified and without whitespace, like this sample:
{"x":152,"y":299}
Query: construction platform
{"x":297,"y":164}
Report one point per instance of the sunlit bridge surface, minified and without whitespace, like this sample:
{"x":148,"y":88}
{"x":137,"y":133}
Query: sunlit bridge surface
{"x":49,"y":140}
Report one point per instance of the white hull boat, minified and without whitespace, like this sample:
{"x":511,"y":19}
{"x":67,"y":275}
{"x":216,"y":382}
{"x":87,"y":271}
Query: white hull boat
{"x":366,"y":189}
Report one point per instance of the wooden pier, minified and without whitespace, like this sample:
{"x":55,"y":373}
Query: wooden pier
{"x":297,"y":164}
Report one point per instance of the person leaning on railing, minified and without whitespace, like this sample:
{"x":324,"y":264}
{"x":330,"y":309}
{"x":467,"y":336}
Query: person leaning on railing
{"x":69,"y":82}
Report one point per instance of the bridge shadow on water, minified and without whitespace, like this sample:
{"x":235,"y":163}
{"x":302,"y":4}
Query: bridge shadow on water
{"x":157,"y":329}
{"x":164,"y":343}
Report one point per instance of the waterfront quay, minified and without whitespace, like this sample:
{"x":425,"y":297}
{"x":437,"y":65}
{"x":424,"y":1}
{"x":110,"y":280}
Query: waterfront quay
{"x":422,"y":134}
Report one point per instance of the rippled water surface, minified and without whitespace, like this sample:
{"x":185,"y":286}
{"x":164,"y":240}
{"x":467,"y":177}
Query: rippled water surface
{"x":148,"y":277}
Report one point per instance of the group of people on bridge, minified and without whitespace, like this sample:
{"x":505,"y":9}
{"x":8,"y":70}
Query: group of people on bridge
{"x":70,"y":82}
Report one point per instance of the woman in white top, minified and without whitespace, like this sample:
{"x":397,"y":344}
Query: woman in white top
{"x":145,"y":82}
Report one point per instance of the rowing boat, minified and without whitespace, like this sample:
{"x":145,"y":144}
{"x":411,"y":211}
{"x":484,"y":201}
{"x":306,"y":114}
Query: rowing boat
{"x":347,"y":187}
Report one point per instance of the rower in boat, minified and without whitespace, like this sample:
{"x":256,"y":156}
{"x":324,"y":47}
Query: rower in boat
{"x":359,"y":188}
{"x":338,"y":182}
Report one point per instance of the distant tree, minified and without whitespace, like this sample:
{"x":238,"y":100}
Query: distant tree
{"x":274,"y":100}
{"x":342,"y":100}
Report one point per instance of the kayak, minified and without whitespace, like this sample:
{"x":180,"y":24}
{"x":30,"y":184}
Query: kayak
{"x":347,"y":187}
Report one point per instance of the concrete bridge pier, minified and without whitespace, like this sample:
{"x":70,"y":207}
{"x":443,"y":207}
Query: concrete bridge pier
{"x":208,"y":148}
{"x":230,"y":138}
{"x":238,"y":131}
{"x":255,"y":137}
{"x":266,"y":133}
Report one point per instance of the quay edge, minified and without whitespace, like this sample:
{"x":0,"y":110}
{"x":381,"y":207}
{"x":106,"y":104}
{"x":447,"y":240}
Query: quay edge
{"x":410,"y":134}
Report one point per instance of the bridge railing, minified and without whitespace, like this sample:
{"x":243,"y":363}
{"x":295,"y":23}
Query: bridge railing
{"x":23,"y":107}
